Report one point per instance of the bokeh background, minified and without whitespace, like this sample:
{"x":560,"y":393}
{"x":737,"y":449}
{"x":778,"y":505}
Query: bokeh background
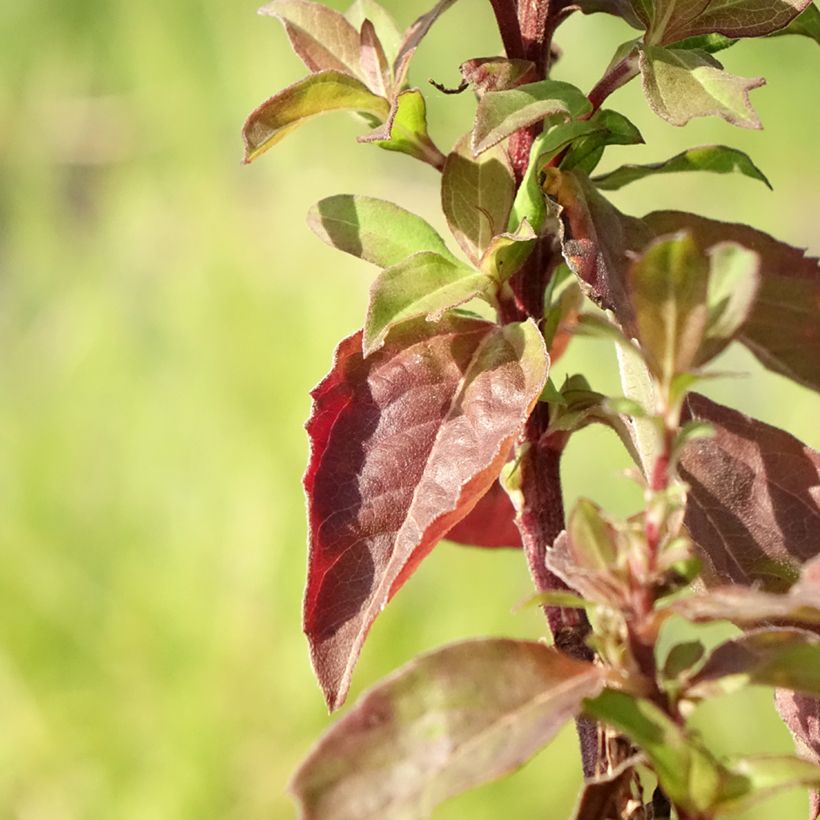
{"x":163,"y":314}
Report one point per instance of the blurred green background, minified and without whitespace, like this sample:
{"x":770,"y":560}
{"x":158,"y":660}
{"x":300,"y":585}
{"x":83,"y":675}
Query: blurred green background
{"x":165,"y":312}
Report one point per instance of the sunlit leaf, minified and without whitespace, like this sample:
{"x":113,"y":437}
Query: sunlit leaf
{"x":754,"y":498}
{"x":717,"y":159}
{"x":477,"y":195}
{"x":612,"y":128}
{"x":424,"y":284}
{"x":315,"y":94}
{"x":444,"y":723}
{"x":507,"y":252}
{"x":680,"y":85}
{"x":591,"y":537}
{"x":386,"y":29}
{"x":373,"y":229}
{"x":501,"y":113}
{"x":403,"y":445}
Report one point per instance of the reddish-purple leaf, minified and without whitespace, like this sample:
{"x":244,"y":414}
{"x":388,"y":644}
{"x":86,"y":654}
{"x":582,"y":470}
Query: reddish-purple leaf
{"x":444,"y":723}
{"x":497,"y":73}
{"x":801,"y":714}
{"x":754,"y":498}
{"x":413,"y":37}
{"x":607,"y":796}
{"x":491,"y":523}
{"x":404,"y":444}
{"x":783,"y":330}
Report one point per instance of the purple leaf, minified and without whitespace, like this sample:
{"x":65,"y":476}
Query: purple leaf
{"x":491,"y":523}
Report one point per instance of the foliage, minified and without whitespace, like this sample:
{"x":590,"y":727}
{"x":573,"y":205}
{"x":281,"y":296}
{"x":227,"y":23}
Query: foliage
{"x":431,"y":410}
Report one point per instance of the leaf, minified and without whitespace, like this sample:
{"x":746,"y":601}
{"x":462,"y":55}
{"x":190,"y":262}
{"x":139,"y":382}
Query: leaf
{"x":690,"y":776}
{"x":405,"y":129}
{"x":309,"y":97}
{"x":668,"y":285}
{"x":753,"y":500}
{"x":607,"y":795}
{"x":373,"y":229}
{"x":444,"y":723}
{"x":801,"y":714}
{"x":382,"y":20}
{"x":765,"y":775}
{"x":618,"y":8}
{"x":715,"y":158}
{"x":424,"y":284}
{"x":373,"y":60}
{"x":785,"y":658}
{"x":682,"y":658}
{"x":806,"y":24}
{"x":491,"y":523}
{"x":323,"y":38}
{"x":782,"y":330}
{"x":501,"y":113}
{"x":477,"y":195}
{"x":496,"y":73}
{"x":675,"y":20}
{"x":413,"y":37}
{"x":612,"y":128}
{"x":680,"y":85}
{"x":403,"y":446}
{"x":507,"y":252}
{"x":591,"y":537}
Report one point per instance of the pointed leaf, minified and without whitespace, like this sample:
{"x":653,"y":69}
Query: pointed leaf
{"x":496,"y":73}
{"x":765,"y":775}
{"x":403,"y":445}
{"x":668,"y":286}
{"x":607,"y":795}
{"x":591,"y":537}
{"x":786,"y":658}
{"x":680,"y":85}
{"x":386,"y":29}
{"x":754,"y":498}
{"x":413,"y":37}
{"x":675,"y":20}
{"x":424,"y":284}
{"x":477,"y":195}
{"x":373,"y":229}
{"x":715,"y":158}
{"x":373,"y":61}
{"x":491,"y":523}
{"x":782,"y":330}
{"x":323,"y":38}
{"x":405,"y":129}
{"x":806,"y":24}
{"x":612,"y":128}
{"x":801,"y":714}
{"x":501,"y":113}
{"x":444,"y":723}
{"x":507,"y":252}
{"x":309,"y":97}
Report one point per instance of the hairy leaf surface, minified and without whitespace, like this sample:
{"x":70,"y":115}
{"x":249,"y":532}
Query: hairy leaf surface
{"x":403,"y":445}
{"x":386,"y":29}
{"x":444,"y":723}
{"x":782,"y":330}
{"x":754,"y":500}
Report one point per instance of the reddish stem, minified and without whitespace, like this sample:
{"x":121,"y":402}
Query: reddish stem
{"x":620,"y":74}
{"x":507,"y":19}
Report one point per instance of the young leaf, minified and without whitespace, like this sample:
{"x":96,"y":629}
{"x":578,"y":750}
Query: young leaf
{"x":444,"y":723}
{"x":386,"y":29}
{"x":413,"y":37}
{"x":806,"y":24}
{"x":373,"y":229}
{"x":491,"y":523}
{"x":477,"y":195}
{"x":789,"y":287}
{"x":668,"y":285}
{"x":323,"y":38}
{"x":500,"y":113}
{"x":786,"y":658}
{"x":680,"y":85}
{"x":373,"y":60}
{"x":715,"y":158}
{"x":674,"y":20}
{"x":591,"y":537}
{"x":405,"y":129}
{"x":801,"y":714}
{"x":403,"y":445}
{"x":309,"y":97}
{"x":424,"y":284}
{"x":507,"y":252}
{"x":496,"y":73}
{"x":753,"y":499}
{"x":613,"y":128}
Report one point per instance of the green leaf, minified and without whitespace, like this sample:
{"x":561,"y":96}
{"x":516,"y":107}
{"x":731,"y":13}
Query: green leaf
{"x":734,"y":282}
{"x":591,"y":537}
{"x":783,"y":658}
{"x":425,"y":284}
{"x":555,"y":597}
{"x":477,"y":195}
{"x":309,"y":97}
{"x":501,"y":113}
{"x":323,"y":38}
{"x":382,"y":20}
{"x":405,"y":129}
{"x":766,"y":775}
{"x":444,"y":723}
{"x":681,"y":85}
{"x":689,"y":774}
{"x":710,"y":43}
{"x":507,"y":252}
{"x":669,"y":286}
{"x":674,"y":20}
{"x":717,"y":159}
{"x":806,"y":24}
{"x":612,"y":129}
{"x":373,"y":229}
{"x":682,"y":658}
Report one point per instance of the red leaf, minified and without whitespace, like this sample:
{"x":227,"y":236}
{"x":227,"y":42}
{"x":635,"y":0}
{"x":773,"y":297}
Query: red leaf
{"x":753,"y":500}
{"x":404,"y":444}
{"x":491,"y":523}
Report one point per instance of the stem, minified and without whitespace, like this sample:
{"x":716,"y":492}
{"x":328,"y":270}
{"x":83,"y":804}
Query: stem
{"x":507,"y":19}
{"x":533,"y":16}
